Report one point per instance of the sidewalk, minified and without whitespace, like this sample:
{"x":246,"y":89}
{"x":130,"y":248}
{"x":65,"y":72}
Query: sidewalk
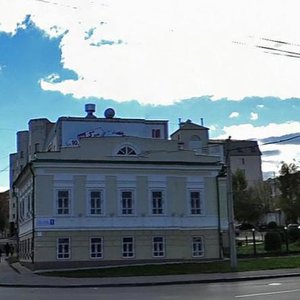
{"x":18,"y":276}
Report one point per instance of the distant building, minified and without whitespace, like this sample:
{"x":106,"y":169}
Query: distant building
{"x":245,"y":155}
{"x":89,"y":191}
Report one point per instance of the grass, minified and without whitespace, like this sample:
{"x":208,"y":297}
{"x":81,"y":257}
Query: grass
{"x":260,"y":249}
{"x":253,"y":264}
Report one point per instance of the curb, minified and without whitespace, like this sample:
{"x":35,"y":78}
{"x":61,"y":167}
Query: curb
{"x":140,"y":284}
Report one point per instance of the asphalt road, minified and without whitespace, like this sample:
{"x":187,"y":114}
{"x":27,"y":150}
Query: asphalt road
{"x":285,"y":288}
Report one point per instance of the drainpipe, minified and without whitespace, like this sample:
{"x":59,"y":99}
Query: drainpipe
{"x":15,"y":195}
{"x":221,"y":174}
{"x":33,"y":212}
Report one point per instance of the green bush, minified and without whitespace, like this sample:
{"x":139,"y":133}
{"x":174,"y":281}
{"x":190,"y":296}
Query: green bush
{"x":272,"y":225}
{"x":273,"y":241}
{"x":293,"y":234}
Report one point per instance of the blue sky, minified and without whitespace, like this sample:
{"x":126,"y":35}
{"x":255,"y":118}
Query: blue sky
{"x":170,"y":60}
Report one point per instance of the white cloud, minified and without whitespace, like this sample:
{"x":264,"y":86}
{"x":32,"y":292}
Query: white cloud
{"x":253,"y":116}
{"x":234,"y":115}
{"x":287,"y":154}
{"x":260,"y":106}
{"x":249,"y":131}
{"x":162,"y":51}
{"x":3,"y":189}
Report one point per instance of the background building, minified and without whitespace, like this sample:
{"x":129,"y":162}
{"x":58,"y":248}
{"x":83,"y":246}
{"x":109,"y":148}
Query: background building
{"x":244,"y":155}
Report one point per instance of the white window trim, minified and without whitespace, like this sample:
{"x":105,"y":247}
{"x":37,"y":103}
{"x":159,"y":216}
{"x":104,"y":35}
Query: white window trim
{"x":102,"y":247}
{"x":57,"y":246}
{"x":133,"y":202}
{"x":133,"y":247}
{"x":88,"y":202}
{"x":164,"y":201}
{"x":202,"y":202}
{"x":164,"y":247}
{"x":70,"y":204}
{"x":133,"y":147}
{"x":202,"y":242}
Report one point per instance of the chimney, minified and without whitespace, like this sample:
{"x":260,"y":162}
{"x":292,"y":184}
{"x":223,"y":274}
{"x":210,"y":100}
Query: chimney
{"x":90,"y":109}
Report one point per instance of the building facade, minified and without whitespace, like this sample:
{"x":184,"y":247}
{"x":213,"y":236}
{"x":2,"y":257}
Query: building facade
{"x":244,"y":155}
{"x":101,"y":191}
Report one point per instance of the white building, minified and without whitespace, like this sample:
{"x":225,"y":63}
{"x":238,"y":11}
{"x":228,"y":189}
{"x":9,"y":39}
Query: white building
{"x":100,"y":191}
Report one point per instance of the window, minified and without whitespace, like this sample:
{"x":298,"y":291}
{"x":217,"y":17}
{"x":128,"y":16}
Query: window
{"x":126,"y":151}
{"x":158,"y":246}
{"x":127,"y":247}
{"x":96,"y":202}
{"x":28,"y":203}
{"x":195,"y":143}
{"x":63,"y":248}
{"x":36,"y":147}
{"x":157,"y":203}
{"x":63,"y":202}
{"x":96,"y":248}
{"x":127,"y":203}
{"x":156,"y":133}
{"x":197,"y":246}
{"x":195,"y":203}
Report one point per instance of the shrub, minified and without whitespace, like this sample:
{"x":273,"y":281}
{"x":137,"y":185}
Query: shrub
{"x":273,"y":241}
{"x":293,"y":234}
{"x":272,"y":225}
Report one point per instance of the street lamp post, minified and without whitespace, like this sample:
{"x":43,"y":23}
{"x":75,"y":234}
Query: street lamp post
{"x":254,"y":243}
{"x":286,"y":239}
{"x":231,"y":229}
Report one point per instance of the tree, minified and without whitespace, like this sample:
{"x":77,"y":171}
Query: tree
{"x":247,"y":201}
{"x":262,"y":194}
{"x":3,"y":211}
{"x":289,"y":185}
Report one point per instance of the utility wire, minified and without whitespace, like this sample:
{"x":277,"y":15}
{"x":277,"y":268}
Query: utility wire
{"x":281,"y":141}
{"x":5,"y":169}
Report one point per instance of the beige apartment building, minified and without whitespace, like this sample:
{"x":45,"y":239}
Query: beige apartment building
{"x":244,"y":155}
{"x":90,"y":191}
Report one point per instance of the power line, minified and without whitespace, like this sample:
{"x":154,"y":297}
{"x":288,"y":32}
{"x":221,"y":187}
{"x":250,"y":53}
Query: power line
{"x":5,"y":169}
{"x":281,"y":141}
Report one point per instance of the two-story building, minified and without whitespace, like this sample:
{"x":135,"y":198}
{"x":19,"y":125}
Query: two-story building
{"x":90,"y":191}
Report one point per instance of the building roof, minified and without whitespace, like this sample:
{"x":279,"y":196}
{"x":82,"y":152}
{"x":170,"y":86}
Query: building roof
{"x":189,"y":125}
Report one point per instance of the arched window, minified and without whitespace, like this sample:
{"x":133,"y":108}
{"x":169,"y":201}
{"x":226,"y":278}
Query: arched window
{"x":126,"y":151}
{"x":195,"y":143}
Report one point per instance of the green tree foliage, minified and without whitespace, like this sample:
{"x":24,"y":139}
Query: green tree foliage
{"x":3,"y":218}
{"x":248,"y":204}
{"x":273,"y":241}
{"x":3,"y":211}
{"x":289,"y":184}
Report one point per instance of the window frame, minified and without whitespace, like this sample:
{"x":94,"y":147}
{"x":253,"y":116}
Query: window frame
{"x":128,"y":253}
{"x":156,"y":133}
{"x":122,"y":208}
{"x":158,"y":253}
{"x":58,"y":244}
{"x":195,"y":246}
{"x":154,"y":209}
{"x":128,"y":151}
{"x":101,"y":206}
{"x":98,"y":254}
{"x":196,"y":210}
{"x":68,"y":207}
